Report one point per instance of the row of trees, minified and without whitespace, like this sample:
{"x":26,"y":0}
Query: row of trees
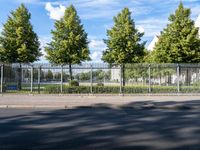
{"x":49,"y":75}
{"x":178,"y":42}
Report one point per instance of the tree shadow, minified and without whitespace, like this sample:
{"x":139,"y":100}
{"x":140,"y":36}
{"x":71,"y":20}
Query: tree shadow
{"x":143,"y":125}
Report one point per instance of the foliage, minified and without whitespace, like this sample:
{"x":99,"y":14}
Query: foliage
{"x":69,"y":43}
{"x":134,"y":71}
{"x":19,"y":43}
{"x":100,"y":84}
{"x":49,"y":75}
{"x":124,"y":41}
{"x":84,"y":76}
{"x":179,"y":42}
{"x":98,"y":75}
{"x":74,"y":83}
{"x":53,"y":89}
{"x":57,"y":76}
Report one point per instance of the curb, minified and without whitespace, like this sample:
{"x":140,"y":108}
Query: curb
{"x":107,"y":95}
{"x":50,"y":107}
{"x":32,"y":107}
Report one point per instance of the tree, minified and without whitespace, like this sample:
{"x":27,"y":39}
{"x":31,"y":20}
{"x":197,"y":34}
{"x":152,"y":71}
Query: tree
{"x":49,"y":75}
{"x":19,"y":43}
{"x":69,"y":43}
{"x":84,"y":76}
{"x":124,"y":41}
{"x":178,"y":42}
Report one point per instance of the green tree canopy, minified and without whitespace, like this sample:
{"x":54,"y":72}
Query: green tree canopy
{"x":19,"y":43}
{"x":179,"y":41}
{"x":69,"y":43}
{"x":124,"y":41}
{"x":49,"y":75}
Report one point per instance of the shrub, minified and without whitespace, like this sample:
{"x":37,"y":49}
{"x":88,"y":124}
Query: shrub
{"x":74,"y":83}
{"x":4,"y":88}
{"x":106,"y":89}
{"x":100,"y":84}
{"x":53,"y":89}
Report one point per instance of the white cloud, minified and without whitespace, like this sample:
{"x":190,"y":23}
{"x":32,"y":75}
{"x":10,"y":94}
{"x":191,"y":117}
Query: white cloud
{"x":152,"y":26}
{"x":32,"y":2}
{"x":88,"y":3}
{"x":96,"y":47}
{"x":140,"y":29}
{"x":28,"y":1}
{"x":55,"y":12}
{"x":97,"y":3}
{"x":195,"y":10}
{"x":96,"y":56}
{"x":98,"y":13}
{"x":43,"y":42}
{"x":88,"y":9}
{"x":197,"y":22}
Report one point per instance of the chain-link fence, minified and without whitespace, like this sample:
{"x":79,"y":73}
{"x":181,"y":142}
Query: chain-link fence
{"x":100,"y":78}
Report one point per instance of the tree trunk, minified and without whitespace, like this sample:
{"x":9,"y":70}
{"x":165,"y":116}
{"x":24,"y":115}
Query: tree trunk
{"x":160,"y":79}
{"x":19,"y":84}
{"x":188,"y":77}
{"x":123,"y":75}
{"x":70,"y":72}
{"x":169,"y":79}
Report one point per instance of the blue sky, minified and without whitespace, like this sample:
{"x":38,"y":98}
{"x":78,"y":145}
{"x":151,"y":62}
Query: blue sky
{"x":150,"y":16}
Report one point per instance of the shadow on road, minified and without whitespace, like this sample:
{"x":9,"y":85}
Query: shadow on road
{"x":136,"y":126}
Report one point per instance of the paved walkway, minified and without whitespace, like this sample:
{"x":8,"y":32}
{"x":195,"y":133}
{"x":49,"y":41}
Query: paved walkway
{"x":66,"y":101}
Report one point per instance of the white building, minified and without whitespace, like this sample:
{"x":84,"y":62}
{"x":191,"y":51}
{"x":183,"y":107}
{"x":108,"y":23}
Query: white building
{"x":197,"y":24}
{"x":153,"y":43}
{"x":115,"y":74}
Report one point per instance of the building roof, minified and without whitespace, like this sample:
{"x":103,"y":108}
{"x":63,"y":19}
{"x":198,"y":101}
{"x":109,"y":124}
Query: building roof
{"x":197,"y":22}
{"x":153,"y":43}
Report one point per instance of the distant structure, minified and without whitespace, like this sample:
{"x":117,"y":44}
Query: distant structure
{"x":115,"y":74}
{"x":153,"y":43}
{"x":197,"y":23}
{"x":156,"y":38}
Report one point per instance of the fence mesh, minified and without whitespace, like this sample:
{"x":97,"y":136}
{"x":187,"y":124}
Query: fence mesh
{"x":100,"y":78}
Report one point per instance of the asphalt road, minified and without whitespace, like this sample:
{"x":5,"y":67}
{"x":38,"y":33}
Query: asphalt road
{"x":134,"y":126}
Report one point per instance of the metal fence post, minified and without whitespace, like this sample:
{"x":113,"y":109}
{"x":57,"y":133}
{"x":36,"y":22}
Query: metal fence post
{"x":149,"y":70}
{"x":1,"y":78}
{"x":178,"y":78}
{"x":91,"y":79}
{"x":39,"y":71}
{"x":61,"y":80}
{"x":31,"y":79}
{"x":120,"y":88}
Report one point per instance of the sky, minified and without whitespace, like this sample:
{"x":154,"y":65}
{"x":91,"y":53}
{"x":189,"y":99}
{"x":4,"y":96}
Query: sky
{"x":150,"y":17}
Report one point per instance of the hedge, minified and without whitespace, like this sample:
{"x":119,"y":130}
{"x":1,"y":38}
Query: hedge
{"x":53,"y":89}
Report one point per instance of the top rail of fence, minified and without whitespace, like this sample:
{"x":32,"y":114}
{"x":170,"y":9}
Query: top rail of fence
{"x":100,"y":65}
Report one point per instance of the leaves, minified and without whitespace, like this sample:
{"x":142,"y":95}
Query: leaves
{"x":124,"y":41}
{"x":179,"y":42}
{"x":19,"y":43}
{"x":69,"y":43}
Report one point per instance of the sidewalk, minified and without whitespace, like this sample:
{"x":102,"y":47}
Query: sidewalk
{"x":71,"y":101}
